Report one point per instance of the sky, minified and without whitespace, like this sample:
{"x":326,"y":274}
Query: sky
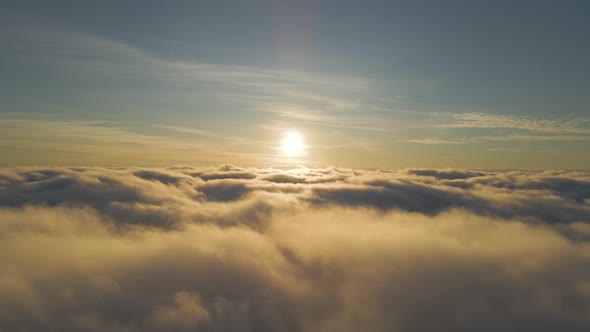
{"x":371,"y":84}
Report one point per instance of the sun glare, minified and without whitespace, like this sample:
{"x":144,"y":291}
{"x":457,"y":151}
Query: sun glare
{"x":293,"y":144}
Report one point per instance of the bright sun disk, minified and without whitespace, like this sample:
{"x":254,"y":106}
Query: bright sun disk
{"x":292,"y":144}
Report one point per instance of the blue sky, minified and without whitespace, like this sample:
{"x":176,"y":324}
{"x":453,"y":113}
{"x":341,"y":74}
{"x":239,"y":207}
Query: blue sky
{"x":475,"y":84}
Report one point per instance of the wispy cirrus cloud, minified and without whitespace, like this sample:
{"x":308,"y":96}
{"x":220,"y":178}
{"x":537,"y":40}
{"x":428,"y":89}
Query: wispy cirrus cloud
{"x":509,"y":129}
{"x":319,"y":99}
{"x":107,"y":142}
{"x":499,"y":138}
{"x":497,"y":121}
{"x":537,"y":138}
{"x":221,"y":107}
{"x":438,"y":141}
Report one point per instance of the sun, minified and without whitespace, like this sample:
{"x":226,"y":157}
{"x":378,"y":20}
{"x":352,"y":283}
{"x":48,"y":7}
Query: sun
{"x":293,"y":144}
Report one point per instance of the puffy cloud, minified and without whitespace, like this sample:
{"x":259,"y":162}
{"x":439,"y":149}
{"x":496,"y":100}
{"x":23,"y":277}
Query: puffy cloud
{"x":132,"y":249}
{"x":226,"y":171}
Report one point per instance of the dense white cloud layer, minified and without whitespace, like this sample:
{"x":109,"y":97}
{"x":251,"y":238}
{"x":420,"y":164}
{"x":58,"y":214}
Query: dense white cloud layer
{"x":268,"y":249}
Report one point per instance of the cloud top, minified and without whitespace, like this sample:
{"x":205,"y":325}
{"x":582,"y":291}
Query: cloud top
{"x":302,"y":249}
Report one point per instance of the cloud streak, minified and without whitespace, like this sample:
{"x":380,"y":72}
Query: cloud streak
{"x":108,"y":143}
{"x":487,"y":120}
